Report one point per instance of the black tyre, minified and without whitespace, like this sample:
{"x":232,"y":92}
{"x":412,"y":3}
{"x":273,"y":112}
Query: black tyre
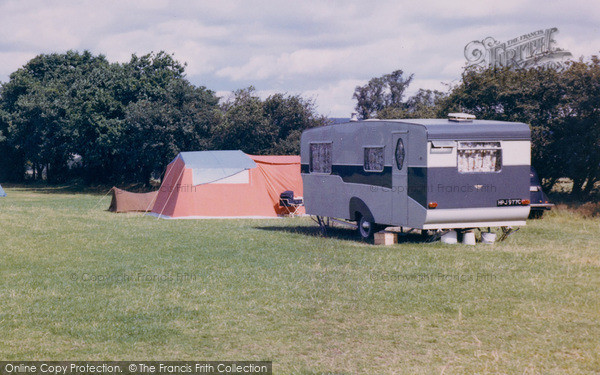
{"x":365,"y":228}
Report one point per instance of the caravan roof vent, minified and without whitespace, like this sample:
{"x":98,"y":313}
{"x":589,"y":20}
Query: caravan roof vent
{"x":460,"y":117}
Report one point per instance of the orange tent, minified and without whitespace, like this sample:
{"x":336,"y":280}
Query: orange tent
{"x":207,"y":184}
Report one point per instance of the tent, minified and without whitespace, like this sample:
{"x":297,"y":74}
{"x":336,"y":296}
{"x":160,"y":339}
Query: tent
{"x":125,"y":201}
{"x":207,"y":184}
{"x":2,"y":192}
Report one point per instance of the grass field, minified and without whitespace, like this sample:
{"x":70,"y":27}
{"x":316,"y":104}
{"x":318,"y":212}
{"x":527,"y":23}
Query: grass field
{"x":80,"y":283}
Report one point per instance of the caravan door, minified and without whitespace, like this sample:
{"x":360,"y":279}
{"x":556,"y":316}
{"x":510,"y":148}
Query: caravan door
{"x":399,"y":178}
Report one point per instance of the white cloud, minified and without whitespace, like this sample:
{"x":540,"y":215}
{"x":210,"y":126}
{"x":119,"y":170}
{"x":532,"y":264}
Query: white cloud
{"x":11,"y":61}
{"x":317,"y":48}
{"x":302,"y":62}
{"x":335,"y":100}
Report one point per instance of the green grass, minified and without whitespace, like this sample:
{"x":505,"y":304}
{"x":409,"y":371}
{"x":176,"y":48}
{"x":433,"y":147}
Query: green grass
{"x":80,"y":283}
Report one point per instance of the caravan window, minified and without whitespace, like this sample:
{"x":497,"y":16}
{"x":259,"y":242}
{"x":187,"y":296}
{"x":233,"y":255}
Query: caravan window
{"x":373,"y":159}
{"x":479,"y":157}
{"x":320,"y":158}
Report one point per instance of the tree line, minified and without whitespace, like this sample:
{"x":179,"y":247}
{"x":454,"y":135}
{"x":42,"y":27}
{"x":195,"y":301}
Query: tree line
{"x":78,"y":116}
{"x":562,"y":108}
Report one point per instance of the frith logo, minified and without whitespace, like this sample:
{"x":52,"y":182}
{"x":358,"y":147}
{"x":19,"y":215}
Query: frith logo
{"x":478,"y":187}
{"x":527,"y":51}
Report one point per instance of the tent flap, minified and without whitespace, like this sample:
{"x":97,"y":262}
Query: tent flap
{"x":125,"y":201}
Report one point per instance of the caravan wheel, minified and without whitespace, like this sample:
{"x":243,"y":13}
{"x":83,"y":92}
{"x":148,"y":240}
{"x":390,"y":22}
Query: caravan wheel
{"x":365,"y":228}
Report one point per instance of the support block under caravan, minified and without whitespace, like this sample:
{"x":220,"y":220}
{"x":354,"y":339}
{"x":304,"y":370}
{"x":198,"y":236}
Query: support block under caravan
{"x":386,"y":238}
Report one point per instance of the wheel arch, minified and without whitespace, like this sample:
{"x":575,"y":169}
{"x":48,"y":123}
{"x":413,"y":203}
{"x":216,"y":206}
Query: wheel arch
{"x":357,"y":206}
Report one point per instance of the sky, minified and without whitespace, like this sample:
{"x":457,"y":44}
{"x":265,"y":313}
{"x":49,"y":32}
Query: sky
{"x":321,"y":50}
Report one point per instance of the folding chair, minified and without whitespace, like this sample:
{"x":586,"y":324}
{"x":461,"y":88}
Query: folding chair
{"x":290,"y":203}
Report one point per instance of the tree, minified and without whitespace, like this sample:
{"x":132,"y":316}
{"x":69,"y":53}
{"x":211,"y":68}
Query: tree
{"x":155,"y":131}
{"x":272,"y":126}
{"x":290,"y":116}
{"x":577,"y":134}
{"x":125,"y":120}
{"x":380,"y":93}
{"x":424,"y":104}
{"x":244,"y":126}
{"x":38,"y":102}
{"x":98,"y":119}
{"x":11,"y":167}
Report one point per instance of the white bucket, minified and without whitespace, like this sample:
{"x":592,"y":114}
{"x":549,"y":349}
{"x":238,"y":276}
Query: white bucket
{"x":469,"y":238}
{"x":449,"y":237}
{"x":488,"y":237}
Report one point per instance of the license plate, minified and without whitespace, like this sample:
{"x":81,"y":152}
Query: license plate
{"x":510,"y":202}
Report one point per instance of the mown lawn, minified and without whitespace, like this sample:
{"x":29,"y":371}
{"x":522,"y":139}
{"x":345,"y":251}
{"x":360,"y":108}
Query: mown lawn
{"x":80,"y":283}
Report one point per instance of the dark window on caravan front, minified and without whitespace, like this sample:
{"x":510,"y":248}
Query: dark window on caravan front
{"x":400,"y":153}
{"x":373,"y":159}
{"x":479,"y":157}
{"x":320,"y":158}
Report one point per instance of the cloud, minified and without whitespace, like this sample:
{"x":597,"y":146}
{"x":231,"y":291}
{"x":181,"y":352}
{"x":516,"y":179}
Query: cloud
{"x":316,"y":48}
{"x":10,"y":60}
{"x":335,"y":99}
{"x":301,"y":62}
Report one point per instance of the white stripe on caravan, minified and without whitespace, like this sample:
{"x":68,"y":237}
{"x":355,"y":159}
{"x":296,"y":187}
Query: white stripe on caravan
{"x":441,"y":160}
{"x":516,"y":153}
{"x":465,"y":217}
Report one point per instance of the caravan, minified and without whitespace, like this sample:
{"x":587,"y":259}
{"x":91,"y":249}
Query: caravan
{"x":428,"y":174}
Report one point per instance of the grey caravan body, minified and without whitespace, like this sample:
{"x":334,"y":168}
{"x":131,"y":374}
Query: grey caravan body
{"x":424,"y":174}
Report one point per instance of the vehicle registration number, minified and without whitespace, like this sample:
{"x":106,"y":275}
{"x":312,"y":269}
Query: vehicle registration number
{"x":510,"y":202}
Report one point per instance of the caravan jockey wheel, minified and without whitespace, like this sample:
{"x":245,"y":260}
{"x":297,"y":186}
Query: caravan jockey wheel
{"x":365,"y":228}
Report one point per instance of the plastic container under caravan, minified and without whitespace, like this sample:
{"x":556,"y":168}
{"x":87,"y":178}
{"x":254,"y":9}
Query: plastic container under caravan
{"x":423,"y":174}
